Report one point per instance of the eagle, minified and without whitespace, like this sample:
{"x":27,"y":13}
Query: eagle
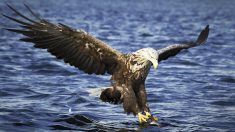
{"x":93,"y":56}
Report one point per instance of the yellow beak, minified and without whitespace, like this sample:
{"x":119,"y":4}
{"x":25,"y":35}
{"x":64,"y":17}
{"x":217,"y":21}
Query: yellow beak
{"x":155,"y":63}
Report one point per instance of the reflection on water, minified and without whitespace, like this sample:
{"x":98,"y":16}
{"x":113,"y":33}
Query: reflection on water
{"x":193,"y":91}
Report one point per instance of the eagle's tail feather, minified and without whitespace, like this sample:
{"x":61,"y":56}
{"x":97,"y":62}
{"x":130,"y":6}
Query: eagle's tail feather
{"x":110,"y":95}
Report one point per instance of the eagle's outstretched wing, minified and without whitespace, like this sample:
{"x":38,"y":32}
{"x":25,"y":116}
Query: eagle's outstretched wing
{"x":172,"y":50}
{"x":75,"y":47}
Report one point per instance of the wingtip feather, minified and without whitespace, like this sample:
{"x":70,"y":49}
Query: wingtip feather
{"x":16,"y":20}
{"x":203,"y":35}
{"x":20,"y":14}
{"x":31,"y":11}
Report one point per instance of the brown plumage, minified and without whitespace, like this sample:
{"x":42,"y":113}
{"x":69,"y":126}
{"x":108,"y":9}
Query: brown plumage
{"x":93,"y":56}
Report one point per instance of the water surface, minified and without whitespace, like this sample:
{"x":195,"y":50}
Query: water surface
{"x":194,"y":91}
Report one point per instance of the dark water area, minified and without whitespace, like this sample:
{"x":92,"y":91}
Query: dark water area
{"x":194,"y":91}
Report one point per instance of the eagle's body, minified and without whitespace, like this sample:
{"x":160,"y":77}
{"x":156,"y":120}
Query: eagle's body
{"x":93,"y":56}
{"x":128,"y":83}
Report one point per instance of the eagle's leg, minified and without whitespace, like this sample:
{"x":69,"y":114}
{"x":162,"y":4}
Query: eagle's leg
{"x":144,"y":114}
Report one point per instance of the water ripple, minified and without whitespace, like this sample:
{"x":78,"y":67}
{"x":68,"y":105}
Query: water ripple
{"x":193,"y":91}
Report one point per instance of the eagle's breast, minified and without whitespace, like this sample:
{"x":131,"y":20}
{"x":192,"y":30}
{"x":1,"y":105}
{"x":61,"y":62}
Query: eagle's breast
{"x":138,"y":67}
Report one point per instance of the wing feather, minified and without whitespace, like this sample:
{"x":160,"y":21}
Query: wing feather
{"x":173,"y":50}
{"x":75,"y":47}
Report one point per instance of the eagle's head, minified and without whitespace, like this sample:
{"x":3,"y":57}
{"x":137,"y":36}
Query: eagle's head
{"x":148,"y":54}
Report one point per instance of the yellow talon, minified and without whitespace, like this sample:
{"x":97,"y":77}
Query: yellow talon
{"x":148,"y":114}
{"x":145,"y":118}
{"x":155,"y":118}
{"x":142,"y":118}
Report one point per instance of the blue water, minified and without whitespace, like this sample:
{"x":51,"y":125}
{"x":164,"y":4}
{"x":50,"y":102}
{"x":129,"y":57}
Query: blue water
{"x":194,"y":91}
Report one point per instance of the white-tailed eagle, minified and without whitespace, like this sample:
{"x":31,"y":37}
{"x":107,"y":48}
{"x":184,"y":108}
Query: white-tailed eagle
{"x":93,"y":56}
